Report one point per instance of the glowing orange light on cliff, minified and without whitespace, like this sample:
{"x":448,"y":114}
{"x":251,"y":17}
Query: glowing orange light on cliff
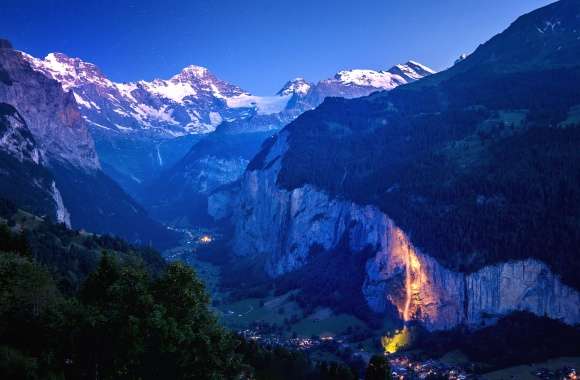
{"x":416,"y":281}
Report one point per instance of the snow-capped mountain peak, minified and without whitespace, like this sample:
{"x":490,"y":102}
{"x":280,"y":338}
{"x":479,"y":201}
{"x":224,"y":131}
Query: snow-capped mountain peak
{"x":192,"y":101}
{"x":411,"y":70}
{"x":386,"y":80}
{"x":195,"y":100}
{"x":368,"y":78}
{"x":191,"y":72}
{"x":194,"y":81}
{"x":295,"y":86}
{"x":70,"y":72}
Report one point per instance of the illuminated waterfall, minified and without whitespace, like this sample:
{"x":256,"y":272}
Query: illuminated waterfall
{"x":403,"y":258}
{"x":403,"y":255}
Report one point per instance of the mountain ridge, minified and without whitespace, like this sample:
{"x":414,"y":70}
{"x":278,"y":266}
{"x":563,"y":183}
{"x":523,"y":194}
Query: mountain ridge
{"x":193,"y":83}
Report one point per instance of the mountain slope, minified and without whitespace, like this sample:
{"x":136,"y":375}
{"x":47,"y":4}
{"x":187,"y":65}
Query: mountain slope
{"x":131,"y":122}
{"x":463,"y":184}
{"x":93,"y":201}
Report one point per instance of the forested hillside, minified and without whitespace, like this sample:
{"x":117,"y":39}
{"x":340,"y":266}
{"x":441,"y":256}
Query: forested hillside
{"x":80,"y":306}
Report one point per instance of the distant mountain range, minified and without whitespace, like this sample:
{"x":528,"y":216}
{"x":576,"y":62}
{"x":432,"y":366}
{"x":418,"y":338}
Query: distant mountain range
{"x":196,"y":101}
{"x":145,"y":130}
{"x":179,"y":195}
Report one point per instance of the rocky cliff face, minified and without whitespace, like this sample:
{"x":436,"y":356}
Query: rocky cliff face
{"x":24,"y":176}
{"x":51,"y":115}
{"x":15,"y":137}
{"x":285,"y":228}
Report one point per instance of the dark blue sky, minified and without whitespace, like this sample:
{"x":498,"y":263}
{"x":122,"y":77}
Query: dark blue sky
{"x":256,"y":44}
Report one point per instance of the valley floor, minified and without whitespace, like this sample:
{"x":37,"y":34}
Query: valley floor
{"x":278,"y":320}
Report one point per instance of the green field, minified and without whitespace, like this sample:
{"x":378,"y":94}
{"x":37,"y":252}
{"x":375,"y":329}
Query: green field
{"x":272,"y":310}
{"x":326,"y":323}
{"x":278,"y":310}
{"x":281,"y":313}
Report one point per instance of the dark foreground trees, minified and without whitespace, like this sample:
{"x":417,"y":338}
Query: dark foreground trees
{"x":378,"y":369}
{"x":122,"y":325}
{"x":125,"y":324}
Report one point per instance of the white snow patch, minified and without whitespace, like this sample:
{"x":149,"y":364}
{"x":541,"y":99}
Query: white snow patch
{"x":81,"y":101}
{"x":162,"y":114}
{"x":122,"y":128}
{"x":121,"y":112}
{"x":95,"y":124}
{"x":265,"y":105}
{"x":215,"y":118}
{"x":126,"y":90}
{"x":428,"y":69}
{"x":172,"y":90}
{"x":370,"y":78}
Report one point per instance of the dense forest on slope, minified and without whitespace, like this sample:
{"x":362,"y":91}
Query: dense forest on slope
{"x":70,"y":255}
{"x":478,"y":164}
{"x":122,"y":324}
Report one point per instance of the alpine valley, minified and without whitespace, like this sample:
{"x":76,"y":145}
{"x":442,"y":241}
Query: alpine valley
{"x":406,"y":222}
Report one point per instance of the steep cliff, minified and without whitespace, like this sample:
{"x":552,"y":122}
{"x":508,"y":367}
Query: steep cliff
{"x":285,"y":229}
{"x":24,"y":177}
{"x":51,"y":115}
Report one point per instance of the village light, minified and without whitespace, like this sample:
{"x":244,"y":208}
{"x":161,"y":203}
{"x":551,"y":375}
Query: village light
{"x":205,"y":239}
